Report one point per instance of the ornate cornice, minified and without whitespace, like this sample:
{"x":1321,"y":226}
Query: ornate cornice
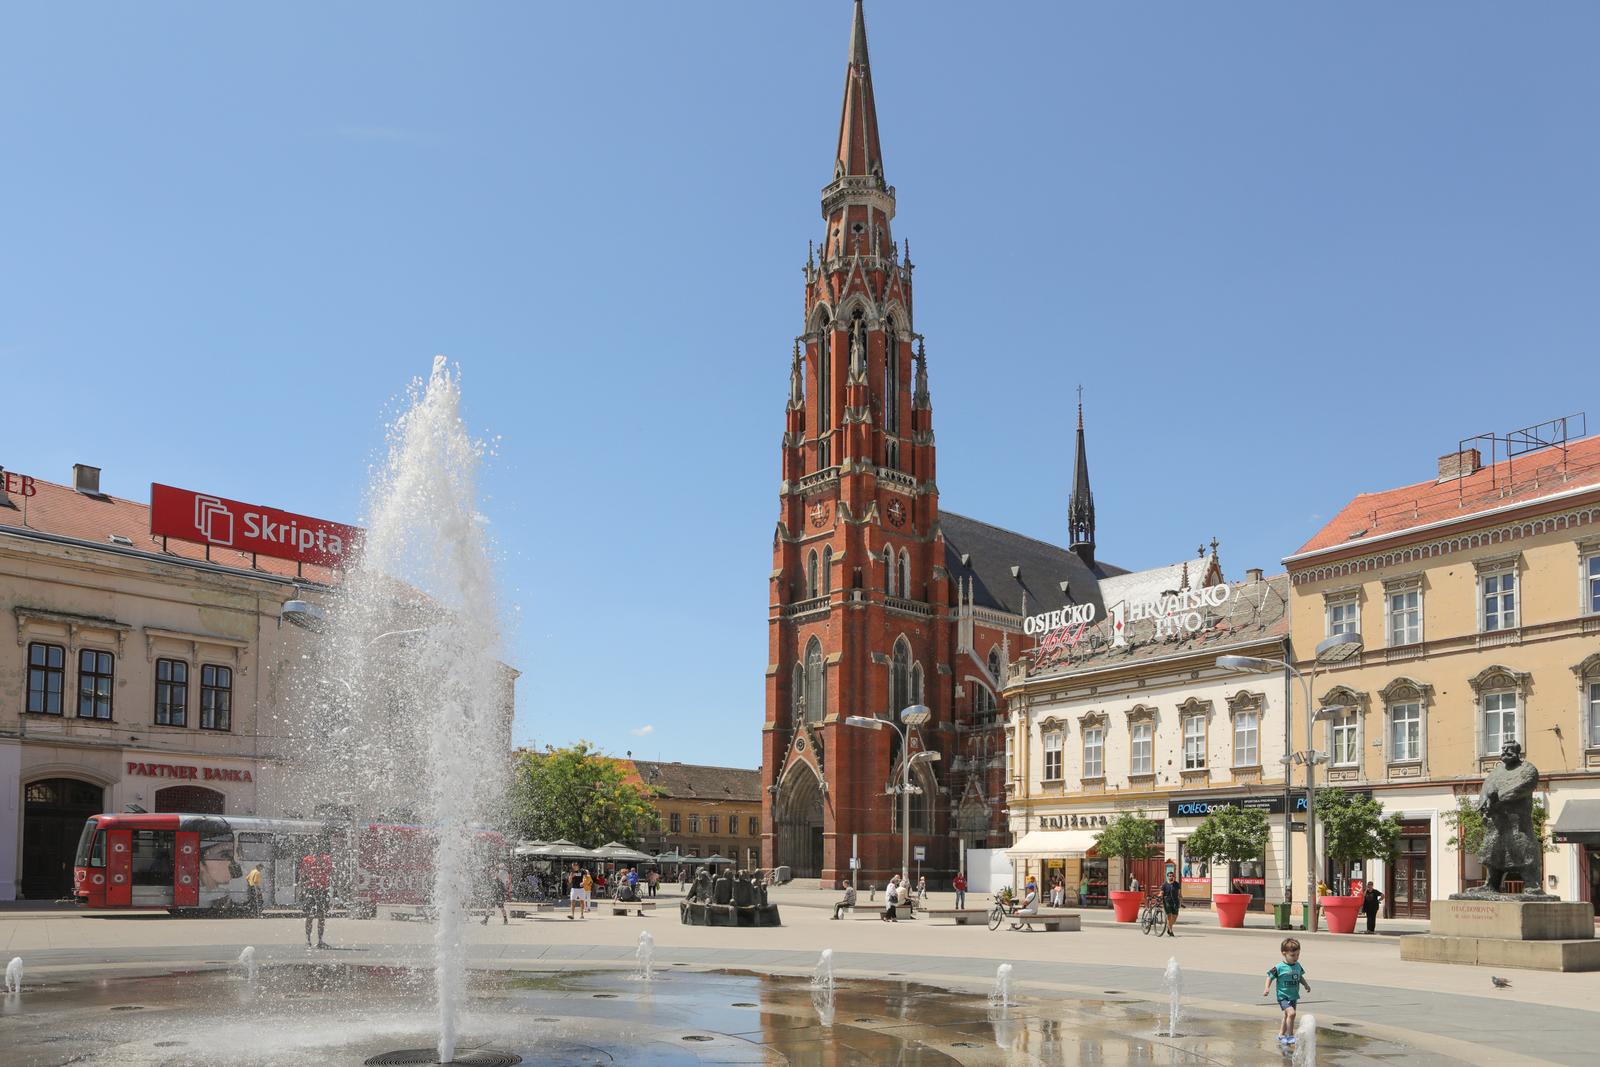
{"x":1403,"y":688}
{"x":1142,"y":713}
{"x":1344,"y":696}
{"x":1091,"y":718}
{"x":1194,"y":706}
{"x":1244,"y":700}
{"x":1589,"y":665}
{"x":1499,"y":676}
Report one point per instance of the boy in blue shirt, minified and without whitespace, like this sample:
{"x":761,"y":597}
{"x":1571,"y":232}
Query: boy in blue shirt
{"x":1288,"y":977}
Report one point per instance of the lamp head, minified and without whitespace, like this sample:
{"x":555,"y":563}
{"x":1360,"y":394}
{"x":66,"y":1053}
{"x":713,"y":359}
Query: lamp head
{"x":1247,"y":664}
{"x":915,"y":715}
{"x":866,"y":722}
{"x":926,"y":756}
{"x":305,"y":614}
{"x":1338,"y":648}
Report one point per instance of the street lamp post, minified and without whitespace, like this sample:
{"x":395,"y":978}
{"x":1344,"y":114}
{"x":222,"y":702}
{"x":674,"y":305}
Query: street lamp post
{"x":1331,"y":650}
{"x":913,"y":717}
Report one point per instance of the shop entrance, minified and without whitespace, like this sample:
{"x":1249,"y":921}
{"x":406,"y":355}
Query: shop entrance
{"x":54,"y":810}
{"x":1410,"y":887}
{"x":191,"y":799}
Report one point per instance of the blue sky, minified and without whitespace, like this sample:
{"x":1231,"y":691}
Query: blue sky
{"x":1292,"y":252}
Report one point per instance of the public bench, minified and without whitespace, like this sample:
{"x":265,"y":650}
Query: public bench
{"x":1050,"y":920}
{"x":620,"y":907}
{"x":875,"y":911}
{"x":961,"y":916}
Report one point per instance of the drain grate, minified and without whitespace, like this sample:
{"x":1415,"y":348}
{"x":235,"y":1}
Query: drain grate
{"x":127,"y":1007}
{"x":408,"y":1056}
{"x":697,"y":1037}
{"x":965,"y":1044}
{"x":743,"y":1004}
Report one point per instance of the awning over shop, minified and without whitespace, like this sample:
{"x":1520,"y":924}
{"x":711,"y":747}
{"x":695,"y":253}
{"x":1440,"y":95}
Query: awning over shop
{"x":1578,"y":823}
{"x":1054,"y":843}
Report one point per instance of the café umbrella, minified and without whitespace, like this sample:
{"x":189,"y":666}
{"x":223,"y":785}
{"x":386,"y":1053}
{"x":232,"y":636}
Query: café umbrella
{"x":617,"y":852}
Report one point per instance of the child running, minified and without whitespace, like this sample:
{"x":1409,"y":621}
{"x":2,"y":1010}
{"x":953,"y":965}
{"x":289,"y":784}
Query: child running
{"x":1289,"y":976}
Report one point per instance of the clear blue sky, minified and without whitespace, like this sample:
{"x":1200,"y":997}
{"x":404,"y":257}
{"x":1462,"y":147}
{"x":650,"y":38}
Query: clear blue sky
{"x":1291,"y":251}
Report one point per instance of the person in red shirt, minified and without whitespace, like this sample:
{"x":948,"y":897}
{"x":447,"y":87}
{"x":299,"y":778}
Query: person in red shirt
{"x":316,"y":884}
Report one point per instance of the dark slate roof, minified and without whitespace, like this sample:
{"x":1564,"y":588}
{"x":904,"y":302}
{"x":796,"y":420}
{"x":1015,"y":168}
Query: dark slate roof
{"x":693,"y":781}
{"x":991,"y":553}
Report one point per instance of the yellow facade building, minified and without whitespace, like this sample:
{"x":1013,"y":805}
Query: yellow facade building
{"x":1477,"y":598}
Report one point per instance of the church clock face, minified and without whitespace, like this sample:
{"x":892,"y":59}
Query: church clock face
{"x":819,"y":516}
{"x":897,"y":513}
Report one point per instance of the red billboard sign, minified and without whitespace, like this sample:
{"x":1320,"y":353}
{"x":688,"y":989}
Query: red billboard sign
{"x":215,"y":520}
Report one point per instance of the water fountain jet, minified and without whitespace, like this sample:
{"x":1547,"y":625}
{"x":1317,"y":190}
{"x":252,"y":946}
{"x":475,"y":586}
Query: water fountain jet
{"x":1173,"y":976}
{"x":14,"y":975}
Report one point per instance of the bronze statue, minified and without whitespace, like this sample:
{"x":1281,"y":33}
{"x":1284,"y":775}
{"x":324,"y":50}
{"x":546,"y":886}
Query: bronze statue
{"x":1509,"y":841}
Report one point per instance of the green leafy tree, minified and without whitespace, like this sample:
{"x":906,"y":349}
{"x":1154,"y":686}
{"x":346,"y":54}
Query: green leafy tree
{"x":578,"y":794}
{"x":1354,"y":827}
{"x":1129,"y":837}
{"x":1466,"y":825}
{"x":1230,"y":834}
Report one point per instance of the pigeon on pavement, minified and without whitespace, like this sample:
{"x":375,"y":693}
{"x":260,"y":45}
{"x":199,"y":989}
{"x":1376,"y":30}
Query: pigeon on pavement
{"x":1500,"y":983}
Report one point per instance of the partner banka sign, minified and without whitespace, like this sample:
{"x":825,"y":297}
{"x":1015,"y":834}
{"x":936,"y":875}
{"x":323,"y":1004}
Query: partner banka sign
{"x":223,"y":523}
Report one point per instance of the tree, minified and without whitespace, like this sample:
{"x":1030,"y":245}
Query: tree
{"x":1466,"y":825}
{"x":1129,"y":837}
{"x":578,"y":794}
{"x":1230,"y":834}
{"x":1355,"y":828}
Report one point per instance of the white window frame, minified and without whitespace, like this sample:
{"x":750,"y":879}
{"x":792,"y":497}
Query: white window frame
{"x":1337,"y":724}
{"x":1498,"y":575}
{"x":1410,"y":633}
{"x":1141,"y":734}
{"x":1396,"y":754}
{"x":1591,"y":694}
{"x":1194,"y":761}
{"x":1094,"y":741}
{"x":1240,"y":718}
{"x":1484,"y":711}
{"x":1053,"y":747}
{"x":1589,"y":581}
{"x":1340,"y":604}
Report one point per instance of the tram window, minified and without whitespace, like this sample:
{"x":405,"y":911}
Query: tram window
{"x":152,"y":857}
{"x":255,"y":848}
{"x":97,"y":854}
{"x":91,"y":846}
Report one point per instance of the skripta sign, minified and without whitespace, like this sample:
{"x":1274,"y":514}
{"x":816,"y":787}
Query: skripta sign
{"x":214,"y":520}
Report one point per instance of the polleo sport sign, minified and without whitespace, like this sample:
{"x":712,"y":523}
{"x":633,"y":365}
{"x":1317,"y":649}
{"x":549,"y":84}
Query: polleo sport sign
{"x":214,"y":520}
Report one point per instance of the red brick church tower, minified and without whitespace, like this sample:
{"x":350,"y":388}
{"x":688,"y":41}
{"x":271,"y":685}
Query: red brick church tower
{"x":874,"y":604}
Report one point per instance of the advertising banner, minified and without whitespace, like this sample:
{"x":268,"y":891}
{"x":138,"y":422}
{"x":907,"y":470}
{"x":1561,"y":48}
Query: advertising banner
{"x":214,"y":520}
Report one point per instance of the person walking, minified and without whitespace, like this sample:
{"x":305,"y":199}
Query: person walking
{"x":849,"y":901}
{"x":960,"y":886}
{"x":1289,"y":977}
{"x":574,"y":889}
{"x":316,"y":883}
{"x":922,"y":891}
{"x":588,"y":891}
{"x":1171,"y":901}
{"x":497,"y":891}
{"x":252,"y":883}
{"x":1369,"y":907}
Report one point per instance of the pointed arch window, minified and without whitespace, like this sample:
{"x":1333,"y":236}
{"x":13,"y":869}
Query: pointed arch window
{"x":811,"y":574}
{"x":824,"y":392}
{"x":996,"y":666}
{"x":816,"y":694}
{"x":888,"y":570}
{"x":891,"y":454}
{"x":891,"y":382}
{"x":905,"y":574}
{"x":900,"y":679}
{"x":827,"y":570}
{"x":797,"y":694}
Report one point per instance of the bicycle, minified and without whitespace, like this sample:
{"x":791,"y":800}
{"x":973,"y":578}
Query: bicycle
{"x":1152,"y":917}
{"x":1000,"y":911}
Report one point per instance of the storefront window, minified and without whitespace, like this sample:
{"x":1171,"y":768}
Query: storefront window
{"x":1097,"y":873}
{"x":1194,"y":874}
{"x":1250,"y":876}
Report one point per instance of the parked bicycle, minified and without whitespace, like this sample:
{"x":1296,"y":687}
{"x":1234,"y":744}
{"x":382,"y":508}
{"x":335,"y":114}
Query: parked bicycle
{"x":1001,"y":910}
{"x":1152,"y":917}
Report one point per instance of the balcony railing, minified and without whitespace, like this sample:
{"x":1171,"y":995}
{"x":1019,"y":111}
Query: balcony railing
{"x":910,"y":607}
{"x":819,"y":478}
{"x":801,"y":608}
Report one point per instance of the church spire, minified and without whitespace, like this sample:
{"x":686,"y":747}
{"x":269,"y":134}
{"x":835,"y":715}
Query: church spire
{"x":1080,"y":507}
{"x":859,"y":153}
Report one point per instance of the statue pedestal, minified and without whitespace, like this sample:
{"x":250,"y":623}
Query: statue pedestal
{"x":1541,"y":935}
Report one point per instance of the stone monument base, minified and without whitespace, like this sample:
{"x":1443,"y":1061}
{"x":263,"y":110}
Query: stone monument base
{"x":693,"y":913}
{"x":1541,"y":935}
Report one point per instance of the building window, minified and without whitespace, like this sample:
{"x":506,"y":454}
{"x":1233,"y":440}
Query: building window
{"x":1591,"y":584}
{"x":46,"y":677}
{"x":816,"y":696}
{"x":1052,"y":756}
{"x":713,"y":824}
{"x":1499,"y":720}
{"x":1246,"y":739}
{"x":1499,"y":601}
{"x":674,"y":823}
{"x":811,"y":575}
{"x":1594,"y":715}
{"x":824,"y":392}
{"x":1405,"y":732}
{"x":1094,"y":752}
{"x":891,"y":382}
{"x":888,"y":570}
{"x":95,"y":671}
{"x":216,"y":697}
{"x":694,"y":824}
{"x":905,"y":574}
{"x":172,"y":692}
{"x":1194,"y":743}
{"x":826,"y":581}
{"x":1344,"y":616}
{"x":1405,"y":617}
{"x":1141,"y":758}
{"x":900,"y":679}
{"x":733,"y":825}
{"x":983,"y":706}
{"x":997,"y":666}
{"x":1342,"y":733}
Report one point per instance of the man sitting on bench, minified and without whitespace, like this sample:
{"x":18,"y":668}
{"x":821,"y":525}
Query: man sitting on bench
{"x":1030,"y":904}
{"x":849,"y":901}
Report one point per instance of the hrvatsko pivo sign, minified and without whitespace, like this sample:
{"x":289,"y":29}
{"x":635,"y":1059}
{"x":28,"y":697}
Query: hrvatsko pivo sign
{"x":1172,"y":615}
{"x":224,"y":523}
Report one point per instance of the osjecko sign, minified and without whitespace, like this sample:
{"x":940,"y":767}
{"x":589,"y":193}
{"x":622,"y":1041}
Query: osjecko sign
{"x":215,"y":520}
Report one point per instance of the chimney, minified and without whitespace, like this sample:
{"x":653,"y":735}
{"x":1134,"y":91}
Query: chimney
{"x":1460,"y":464}
{"x":86,"y":479}
{"x":1253,"y":575}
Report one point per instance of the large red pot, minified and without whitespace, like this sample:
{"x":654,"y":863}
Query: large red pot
{"x":1126,"y":905}
{"x":1341,"y":913}
{"x":1231,"y":908}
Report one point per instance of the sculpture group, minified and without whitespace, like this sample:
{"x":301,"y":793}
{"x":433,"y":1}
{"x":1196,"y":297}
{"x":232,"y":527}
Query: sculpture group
{"x":727,"y":900}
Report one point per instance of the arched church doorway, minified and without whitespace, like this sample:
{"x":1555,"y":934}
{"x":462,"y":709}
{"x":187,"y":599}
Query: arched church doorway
{"x":53,"y":814}
{"x":799,"y":822}
{"x":191,"y":799}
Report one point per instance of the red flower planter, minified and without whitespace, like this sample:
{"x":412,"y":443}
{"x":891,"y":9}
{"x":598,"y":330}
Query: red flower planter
{"x":1231,"y":908}
{"x":1126,"y":905}
{"x":1341,"y":913}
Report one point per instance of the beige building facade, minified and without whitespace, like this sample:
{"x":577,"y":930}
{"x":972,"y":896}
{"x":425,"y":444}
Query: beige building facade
{"x":1477,"y":599}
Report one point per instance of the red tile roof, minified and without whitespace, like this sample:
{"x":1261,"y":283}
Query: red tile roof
{"x":1510,"y":483}
{"x":63,"y":512}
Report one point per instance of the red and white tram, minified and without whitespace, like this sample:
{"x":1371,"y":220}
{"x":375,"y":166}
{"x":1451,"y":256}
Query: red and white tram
{"x":200,"y":862}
